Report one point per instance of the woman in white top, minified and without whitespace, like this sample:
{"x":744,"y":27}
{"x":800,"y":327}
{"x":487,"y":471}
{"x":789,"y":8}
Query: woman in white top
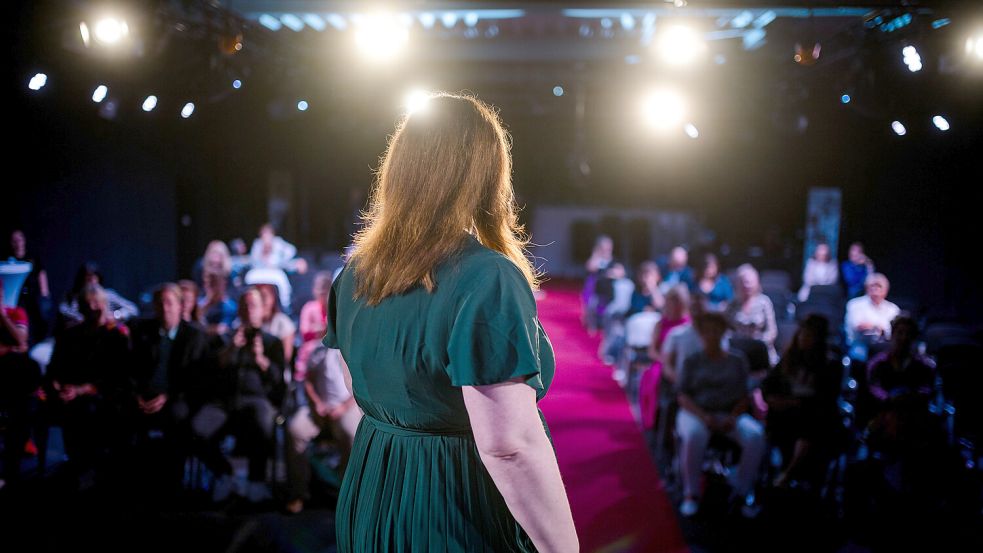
{"x":271,"y":258}
{"x":820,"y":270}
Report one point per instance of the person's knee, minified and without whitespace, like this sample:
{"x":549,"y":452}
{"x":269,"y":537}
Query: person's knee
{"x":207,"y":422}
{"x":751,"y":432}
{"x":691,"y":429}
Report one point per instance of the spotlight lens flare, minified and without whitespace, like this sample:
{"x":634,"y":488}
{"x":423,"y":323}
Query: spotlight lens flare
{"x":99,"y":94}
{"x":679,"y":45}
{"x":665,"y":109}
{"x":187,"y":110}
{"x":110,"y":30}
{"x":692,"y":131}
{"x":381,"y":36}
{"x":38,"y":81}
{"x":911,"y":58}
{"x":941,"y":123}
{"x":416,"y":100}
{"x":150,"y":103}
{"x":899,"y":129}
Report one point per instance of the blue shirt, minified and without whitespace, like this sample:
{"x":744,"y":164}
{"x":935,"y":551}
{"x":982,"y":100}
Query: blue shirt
{"x":854,"y":277}
{"x":721,"y":293}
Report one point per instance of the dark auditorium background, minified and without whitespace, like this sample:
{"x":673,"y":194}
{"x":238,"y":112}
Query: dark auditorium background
{"x":144,"y":194}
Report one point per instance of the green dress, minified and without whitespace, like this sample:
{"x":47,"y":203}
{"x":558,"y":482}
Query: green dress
{"x":414,"y":480}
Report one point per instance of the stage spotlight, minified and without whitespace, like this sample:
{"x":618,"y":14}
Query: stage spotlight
{"x":665,"y":109}
{"x":150,"y":103}
{"x":38,"y":81}
{"x":899,"y":128}
{"x":692,"y":131}
{"x":911,"y":58}
{"x":110,"y":30}
{"x":845,"y":99}
{"x":302,"y":105}
{"x":381,"y":36}
{"x":416,"y":100}
{"x":940,"y":123}
{"x":99,"y":94}
{"x":187,"y":110}
{"x":680,"y":45}
{"x":974,"y":47}
{"x":237,"y":84}
{"x":557,"y":91}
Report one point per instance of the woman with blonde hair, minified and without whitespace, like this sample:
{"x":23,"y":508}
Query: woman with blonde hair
{"x":753,"y":314}
{"x":434,"y":315}
{"x":217,"y":259}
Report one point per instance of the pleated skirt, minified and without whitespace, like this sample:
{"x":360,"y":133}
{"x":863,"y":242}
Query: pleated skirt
{"x":417,"y":491}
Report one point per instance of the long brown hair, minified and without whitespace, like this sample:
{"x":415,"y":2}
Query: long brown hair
{"x":447,"y":171}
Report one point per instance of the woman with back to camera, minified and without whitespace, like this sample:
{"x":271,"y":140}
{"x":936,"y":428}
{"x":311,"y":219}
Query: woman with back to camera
{"x":435,"y":316}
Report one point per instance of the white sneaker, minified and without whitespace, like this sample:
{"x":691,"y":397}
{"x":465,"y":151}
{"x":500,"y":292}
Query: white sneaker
{"x":689,"y":507}
{"x":225,"y":486}
{"x":257,"y":492}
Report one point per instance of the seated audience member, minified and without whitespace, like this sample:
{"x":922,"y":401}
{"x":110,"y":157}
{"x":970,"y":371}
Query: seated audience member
{"x":614,"y":293}
{"x":904,"y":432}
{"x":646,"y":296}
{"x":217,"y":259}
{"x":87,"y":374}
{"x":601,"y":259}
{"x":658,"y":383}
{"x":168,"y":358}
{"x":271,"y":258}
{"x":218,"y":310}
{"x":275,"y":322}
{"x":820,"y":270}
{"x":802,"y":393}
{"x":753,"y":314}
{"x":901,"y":376}
{"x":35,"y":296}
{"x":245,"y":402}
{"x":868,"y":318}
{"x":714,"y":399}
{"x":677,"y":270}
{"x":118,"y":308}
{"x":330,"y":409}
{"x":240,"y":262}
{"x":190,"y":310}
{"x":714,"y":287}
{"x":855,"y":270}
{"x":20,"y":377}
{"x":681,"y":342}
{"x":313,"y":322}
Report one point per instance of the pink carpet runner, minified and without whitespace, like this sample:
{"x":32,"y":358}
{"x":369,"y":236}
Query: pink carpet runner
{"x":618,"y":505}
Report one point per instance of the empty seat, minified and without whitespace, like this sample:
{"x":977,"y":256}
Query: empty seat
{"x":776,"y":280}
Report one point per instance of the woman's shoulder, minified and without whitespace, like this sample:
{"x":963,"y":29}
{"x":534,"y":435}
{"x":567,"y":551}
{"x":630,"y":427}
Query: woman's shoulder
{"x":475,"y":260}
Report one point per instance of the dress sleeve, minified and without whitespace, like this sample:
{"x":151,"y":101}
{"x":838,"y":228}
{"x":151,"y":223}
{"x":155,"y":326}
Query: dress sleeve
{"x":495,"y":334}
{"x":331,"y":335}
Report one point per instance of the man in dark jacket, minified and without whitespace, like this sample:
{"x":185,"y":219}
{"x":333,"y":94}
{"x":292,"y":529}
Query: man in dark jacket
{"x":168,"y":371}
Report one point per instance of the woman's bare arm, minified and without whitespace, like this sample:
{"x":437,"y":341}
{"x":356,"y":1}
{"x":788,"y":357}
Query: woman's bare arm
{"x":520,"y":459}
